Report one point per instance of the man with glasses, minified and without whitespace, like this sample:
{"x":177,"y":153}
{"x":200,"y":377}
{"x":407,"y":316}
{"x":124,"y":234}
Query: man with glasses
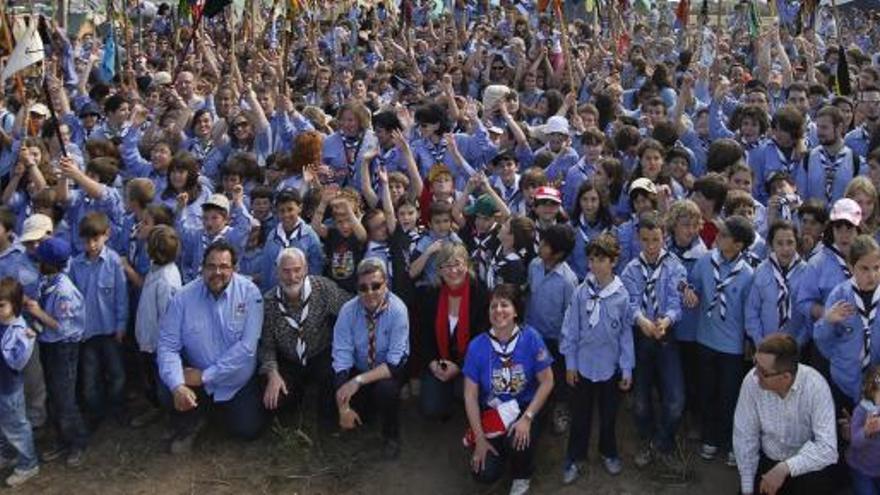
{"x":370,"y":348}
{"x":207,"y":351}
{"x":859,"y":139}
{"x":784,"y":430}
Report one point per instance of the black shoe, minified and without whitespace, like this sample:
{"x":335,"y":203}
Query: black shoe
{"x":54,"y":453}
{"x":75,"y":457}
{"x":391,"y":450}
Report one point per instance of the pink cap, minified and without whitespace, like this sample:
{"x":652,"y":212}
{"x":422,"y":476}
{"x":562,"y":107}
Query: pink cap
{"x":848,"y":210}
{"x":546,"y":192}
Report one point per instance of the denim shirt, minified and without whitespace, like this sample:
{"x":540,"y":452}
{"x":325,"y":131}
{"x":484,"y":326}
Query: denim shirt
{"x":216,"y":334}
{"x":105,"y":292}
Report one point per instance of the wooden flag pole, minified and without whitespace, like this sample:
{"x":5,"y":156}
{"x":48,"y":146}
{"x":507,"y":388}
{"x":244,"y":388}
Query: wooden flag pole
{"x":566,"y":45}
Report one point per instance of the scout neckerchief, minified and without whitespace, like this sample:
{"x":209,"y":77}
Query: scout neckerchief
{"x":783,"y":284}
{"x":867,"y":315}
{"x":651,"y":274}
{"x":720,"y":298}
{"x":294,"y":322}
{"x":594,"y":296}
{"x":286,"y":239}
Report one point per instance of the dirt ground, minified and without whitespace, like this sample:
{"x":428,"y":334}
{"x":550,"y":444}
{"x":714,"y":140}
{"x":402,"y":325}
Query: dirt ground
{"x":126,"y":461}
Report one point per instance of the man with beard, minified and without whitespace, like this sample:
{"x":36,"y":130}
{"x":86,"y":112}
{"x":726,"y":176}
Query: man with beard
{"x":859,"y":138}
{"x":370,"y":348}
{"x":831,"y":165}
{"x":297,"y":332}
{"x":207,"y":351}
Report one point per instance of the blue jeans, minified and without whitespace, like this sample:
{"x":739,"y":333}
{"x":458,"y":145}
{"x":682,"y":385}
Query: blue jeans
{"x":437,"y":398}
{"x":102,"y":376}
{"x":721,"y":375}
{"x":17,"y":437}
{"x":59,"y":367}
{"x":864,"y":485}
{"x":659,"y":367}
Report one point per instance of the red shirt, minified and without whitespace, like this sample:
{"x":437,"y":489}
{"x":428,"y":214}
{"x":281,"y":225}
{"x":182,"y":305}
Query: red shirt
{"x":709,"y":232}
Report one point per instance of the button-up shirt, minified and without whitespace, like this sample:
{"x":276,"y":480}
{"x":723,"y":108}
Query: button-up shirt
{"x":61,"y":300}
{"x":160,"y":286}
{"x":549,"y":294}
{"x":351,"y":342}
{"x":798,"y":429}
{"x":103,"y":285}
{"x":217,"y":334}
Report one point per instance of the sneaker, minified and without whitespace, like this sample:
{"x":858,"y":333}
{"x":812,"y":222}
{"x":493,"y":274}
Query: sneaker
{"x":612,"y":465}
{"x":645,"y":455}
{"x":75,"y":457}
{"x":731,"y":459}
{"x":708,"y":452}
{"x":519,"y":487}
{"x":146,"y":418}
{"x":570,"y":474}
{"x":54,"y":453}
{"x":391,"y":450}
{"x":19,"y":477}
{"x":561,"y":419}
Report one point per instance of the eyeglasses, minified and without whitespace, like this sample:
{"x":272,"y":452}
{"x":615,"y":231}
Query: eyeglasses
{"x":767,"y":374}
{"x":452,"y":265}
{"x":367,"y":288}
{"x":211,"y":268}
{"x":239,"y":125}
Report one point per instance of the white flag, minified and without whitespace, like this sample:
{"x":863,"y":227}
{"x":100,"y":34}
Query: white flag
{"x":28,"y":51}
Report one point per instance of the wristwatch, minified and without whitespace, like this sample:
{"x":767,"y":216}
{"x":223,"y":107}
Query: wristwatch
{"x":530,"y":415}
{"x":359,"y":379}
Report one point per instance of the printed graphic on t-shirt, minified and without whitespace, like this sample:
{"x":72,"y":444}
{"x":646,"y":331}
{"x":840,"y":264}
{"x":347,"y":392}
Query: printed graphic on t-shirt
{"x":508,"y":380}
{"x":342,"y":263}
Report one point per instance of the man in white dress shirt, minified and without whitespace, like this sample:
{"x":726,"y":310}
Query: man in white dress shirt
{"x":784,"y":432}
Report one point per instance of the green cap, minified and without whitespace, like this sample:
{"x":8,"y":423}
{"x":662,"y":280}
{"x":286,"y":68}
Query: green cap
{"x":484,"y":205}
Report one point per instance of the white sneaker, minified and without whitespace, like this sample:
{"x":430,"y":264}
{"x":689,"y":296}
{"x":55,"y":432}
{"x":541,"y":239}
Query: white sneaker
{"x":708,"y":452}
{"x":519,"y":487}
{"x":731,"y":459}
{"x":570,"y":474}
{"x":19,"y":477}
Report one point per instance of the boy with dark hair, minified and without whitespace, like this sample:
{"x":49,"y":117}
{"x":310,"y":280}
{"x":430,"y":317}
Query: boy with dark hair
{"x":98,"y":273}
{"x":551,"y":284}
{"x":290,"y":230}
{"x":653,"y":280}
{"x":423,"y":267}
{"x":96,"y":192}
{"x":722,"y":280}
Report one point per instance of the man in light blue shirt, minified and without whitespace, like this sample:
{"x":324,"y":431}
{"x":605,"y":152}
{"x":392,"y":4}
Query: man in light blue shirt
{"x":207,"y":350}
{"x":370,"y":349}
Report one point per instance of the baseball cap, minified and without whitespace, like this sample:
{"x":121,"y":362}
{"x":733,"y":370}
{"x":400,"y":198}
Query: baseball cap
{"x":39,"y":109}
{"x":53,"y":251}
{"x":161,"y":78}
{"x":90,"y":108}
{"x":36,"y":227}
{"x":644,"y":184}
{"x":847,"y":210}
{"x":218,"y":200}
{"x":483,"y":206}
{"x":549,"y":193}
{"x":557,"y":125}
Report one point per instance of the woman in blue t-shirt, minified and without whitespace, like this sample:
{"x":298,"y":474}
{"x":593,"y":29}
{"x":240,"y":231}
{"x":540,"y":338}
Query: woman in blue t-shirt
{"x":506,"y":369}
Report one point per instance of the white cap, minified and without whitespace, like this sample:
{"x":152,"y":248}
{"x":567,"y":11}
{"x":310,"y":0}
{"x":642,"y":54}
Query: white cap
{"x":847,"y":210}
{"x":40,"y":109}
{"x":218,"y":200}
{"x":557,"y":125}
{"x":36,"y":227}
{"x":644,"y":184}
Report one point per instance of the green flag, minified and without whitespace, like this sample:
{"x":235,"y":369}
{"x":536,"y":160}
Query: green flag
{"x":754,"y":20}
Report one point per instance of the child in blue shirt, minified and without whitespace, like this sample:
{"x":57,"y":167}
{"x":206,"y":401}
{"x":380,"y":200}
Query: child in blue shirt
{"x":290,"y":231}
{"x":423,"y":268}
{"x":99,"y":275}
{"x":722,"y":280}
{"x":653,"y":281}
{"x":772,"y":304}
{"x":551,"y":284}
{"x":642,"y":198}
{"x":17,"y":345}
{"x":597,"y":343}
{"x":589,"y":218}
{"x":96,"y":192}
{"x":60,"y":311}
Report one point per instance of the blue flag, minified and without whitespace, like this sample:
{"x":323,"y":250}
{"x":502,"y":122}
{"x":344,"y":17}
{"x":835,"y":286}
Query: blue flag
{"x":107,"y":69}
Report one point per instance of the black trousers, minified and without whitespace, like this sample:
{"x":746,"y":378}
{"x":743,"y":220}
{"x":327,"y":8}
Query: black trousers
{"x":815,"y":483}
{"x":381,"y":397}
{"x":581,"y":399}
{"x":318,"y":371}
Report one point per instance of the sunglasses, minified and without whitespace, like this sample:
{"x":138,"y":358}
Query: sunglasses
{"x":367,"y":288}
{"x":239,"y":125}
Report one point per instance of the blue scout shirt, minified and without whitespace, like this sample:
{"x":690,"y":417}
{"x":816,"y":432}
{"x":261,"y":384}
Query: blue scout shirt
{"x":841,"y":165}
{"x":597,"y":337}
{"x":508,"y":371}
{"x":827,"y":270}
{"x":61,"y":300}
{"x":667,"y":287}
{"x":560,"y":165}
{"x":351,"y":342}
{"x":79,"y":204}
{"x":763,"y":310}
{"x":844,"y":342}
{"x":16,"y":348}
{"x":334,"y":155}
{"x":195,"y":240}
{"x":722,"y":335}
{"x":15,"y":263}
{"x":216,"y":334}
{"x":105,"y":292}
{"x":766,"y":159}
{"x":686,"y":327}
{"x":858,"y":140}
{"x":549,"y":295}
{"x":573,"y":179}
{"x":302,"y":237}
{"x":584,"y":232}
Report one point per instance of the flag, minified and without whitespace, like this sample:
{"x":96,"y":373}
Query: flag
{"x":590,"y":6}
{"x":214,"y":7}
{"x":543,"y":4}
{"x":184,"y":10}
{"x":107,"y":69}
{"x":754,"y":20}
{"x":843,"y":85}
{"x":27,"y":52}
{"x":683,"y":13}
{"x":788,"y":12}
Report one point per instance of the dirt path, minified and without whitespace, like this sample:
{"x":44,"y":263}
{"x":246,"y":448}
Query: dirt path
{"x":124,"y":461}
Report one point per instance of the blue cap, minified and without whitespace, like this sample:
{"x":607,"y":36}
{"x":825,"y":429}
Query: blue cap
{"x":90,"y":108}
{"x":53,"y":251}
